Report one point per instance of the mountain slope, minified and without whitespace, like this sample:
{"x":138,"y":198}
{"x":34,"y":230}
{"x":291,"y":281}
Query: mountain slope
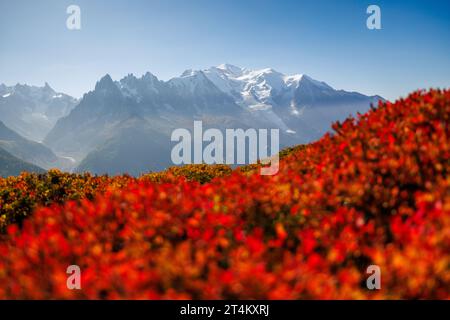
{"x":29,"y":151}
{"x":32,"y":111}
{"x":135,"y":148}
{"x":12,"y":166}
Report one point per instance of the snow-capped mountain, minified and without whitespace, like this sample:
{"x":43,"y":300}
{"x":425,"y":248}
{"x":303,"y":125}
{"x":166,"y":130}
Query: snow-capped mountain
{"x":259,"y":89}
{"x":33,"y":111}
{"x":295,"y":103}
{"x":254,"y":89}
{"x":125,"y":125}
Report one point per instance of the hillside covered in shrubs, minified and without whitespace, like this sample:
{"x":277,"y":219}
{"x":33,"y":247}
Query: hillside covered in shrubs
{"x":375,"y":192}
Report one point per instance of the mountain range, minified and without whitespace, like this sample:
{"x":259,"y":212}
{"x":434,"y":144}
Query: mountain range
{"x":33,"y":111}
{"x":125,"y":126}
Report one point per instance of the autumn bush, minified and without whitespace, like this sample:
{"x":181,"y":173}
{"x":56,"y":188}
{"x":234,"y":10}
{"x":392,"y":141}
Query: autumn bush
{"x":193,"y":172}
{"x":375,"y":192}
{"x":20,"y":195}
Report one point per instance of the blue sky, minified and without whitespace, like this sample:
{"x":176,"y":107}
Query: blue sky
{"x":326,"y":39}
